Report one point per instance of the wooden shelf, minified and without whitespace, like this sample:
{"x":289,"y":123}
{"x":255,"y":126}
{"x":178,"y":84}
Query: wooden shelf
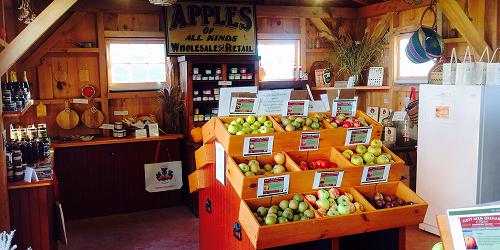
{"x":133,"y":95}
{"x":110,"y":140}
{"x":320,"y":50}
{"x":206,"y":102}
{"x":356,"y":88}
{"x":206,"y":81}
{"x":23,"y":184}
{"x":61,"y":101}
{"x":455,"y":40}
{"x":74,"y":50}
{"x":20,"y":113}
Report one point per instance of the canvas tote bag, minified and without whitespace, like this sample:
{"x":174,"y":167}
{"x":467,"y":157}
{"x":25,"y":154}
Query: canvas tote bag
{"x":493,"y":71}
{"x":479,"y":73}
{"x":450,"y":69}
{"x":465,"y":69}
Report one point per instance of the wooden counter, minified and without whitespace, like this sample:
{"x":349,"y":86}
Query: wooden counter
{"x":23,"y":184}
{"x":111,"y":140}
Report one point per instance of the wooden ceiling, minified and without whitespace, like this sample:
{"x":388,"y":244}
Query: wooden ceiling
{"x":319,"y":3}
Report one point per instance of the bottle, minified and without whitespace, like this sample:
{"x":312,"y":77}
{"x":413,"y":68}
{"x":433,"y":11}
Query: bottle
{"x":300,"y":72}
{"x":294,"y":72}
{"x":26,"y":87}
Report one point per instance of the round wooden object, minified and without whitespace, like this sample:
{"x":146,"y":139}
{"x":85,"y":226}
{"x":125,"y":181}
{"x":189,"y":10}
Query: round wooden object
{"x":92,"y":118}
{"x":67,"y":118}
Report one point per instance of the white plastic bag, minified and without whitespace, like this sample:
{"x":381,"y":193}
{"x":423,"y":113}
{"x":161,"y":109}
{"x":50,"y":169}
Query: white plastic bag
{"x":480,"y":68}
{"x":450,"y":69}
{"x":493,"y":71}
{"x":465,"y":70}
{"x":163,"y":176}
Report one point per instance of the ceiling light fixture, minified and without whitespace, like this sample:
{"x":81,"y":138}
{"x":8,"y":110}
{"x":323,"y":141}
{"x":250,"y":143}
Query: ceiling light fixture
{"x":162,"y":2}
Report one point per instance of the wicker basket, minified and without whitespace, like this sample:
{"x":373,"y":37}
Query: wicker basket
{"x":412,"y":111}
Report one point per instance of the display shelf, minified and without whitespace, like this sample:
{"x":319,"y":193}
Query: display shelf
{"x":61,"y":101}
{"x":7,"y":114}
{"x":74,"y":50}
{"x":110,"y":140}
{"x":23,"y":184}
{"x":355,"y":87}
{"x":206,"y":102}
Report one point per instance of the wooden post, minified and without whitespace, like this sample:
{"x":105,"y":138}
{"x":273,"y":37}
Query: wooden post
{"x":4,"y":192}
{"x":103,"y":71}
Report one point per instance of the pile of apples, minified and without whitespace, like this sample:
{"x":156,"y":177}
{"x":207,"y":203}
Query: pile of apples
{"x":342,"y":121}
{"x":331,"y":203}
{"x":380,"y":201}
{"x":317,"y":164}
{"x":295,"y":209}
{"x":293,"y":123}
{"x":250,"y":125}
{"x":368,"y":155}
{"x":253,"y":168}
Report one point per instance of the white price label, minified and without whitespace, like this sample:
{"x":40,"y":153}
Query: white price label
{"x":274,"y":185}
{"x":375,"y":174}
{"x":328,"y":179}
{"x":261,"y":145}
{"x":80,"y":101}
{"x":360,"y":135}
{"x":120,"y":112}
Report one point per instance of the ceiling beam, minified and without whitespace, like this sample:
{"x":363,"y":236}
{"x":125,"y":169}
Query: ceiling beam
{"x":456,"y":15}
{"x":386,"y":7}
{"x":362,"y":2}
{"x":32,"y":32}
{"x":307,"y":12}
{"x":325,"y":32}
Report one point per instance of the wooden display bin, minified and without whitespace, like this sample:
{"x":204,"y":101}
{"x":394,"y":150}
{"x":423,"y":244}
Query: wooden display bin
{"x":397,"y":167}
{"x":246,"y":186}
{"x":357,"y":197}
{"x":396,"y":216}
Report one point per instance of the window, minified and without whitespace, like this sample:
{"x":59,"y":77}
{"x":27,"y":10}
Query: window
{"x":278,"y":58}
{"x":407,"y":71}
{"x":136,"y":64}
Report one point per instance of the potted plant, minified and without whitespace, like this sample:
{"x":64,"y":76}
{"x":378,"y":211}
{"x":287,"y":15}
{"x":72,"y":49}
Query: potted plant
{"x":170,"y":96}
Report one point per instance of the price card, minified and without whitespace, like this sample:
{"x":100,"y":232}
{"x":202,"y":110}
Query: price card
{"x":225,"y":83}
{"x":399,"y":116}
{"x":375,"y":174}
{"x":262,"y":145}
{"x":120,"y":112}
{"x":80,"y":101}
{"x":296,"y":108}
{"x":344,"y":106}
{"x":328,"y":179}
{"x":107,"y":126}
{"x":359,"y":135}
{"x":309,"y":141}
{"x":275,"y":185}
{"x":384,"y":112}
{"x":244,"y":105}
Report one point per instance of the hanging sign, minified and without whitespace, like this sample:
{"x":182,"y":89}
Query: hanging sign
{"x":344,"y":106}
{"x":261,"y":145}
{"x":328,"y":179}
{"x":360,"y":135}
{"x":274,"y":185}
{"x":208,"y":29}
{"x":375,"y":174}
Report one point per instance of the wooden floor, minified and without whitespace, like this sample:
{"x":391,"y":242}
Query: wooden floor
{"x":173,"y":228}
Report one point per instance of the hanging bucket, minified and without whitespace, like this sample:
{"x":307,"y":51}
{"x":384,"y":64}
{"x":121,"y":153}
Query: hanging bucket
{"x":425,"y":44}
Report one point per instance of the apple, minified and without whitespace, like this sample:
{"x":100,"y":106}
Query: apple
{"x":349,"y":195}
{"x":254,"y":132}
{"x":250,"y":162}
{"x":333,"y":203}
{"x":389,"y":205}
{"x":306,"y":128}
{"x":303,"y":206}
{"x":249,"y":173}
{"x":263,"y":130}
{"x":254,"y":168}
{"x":343,"y":209}
{"x":311,"y":198}
{"x":240,"y":120}
{"x":379,"y":204}
{"x":278,"y":169}
{"x":343,"y":199}
{"x":247,"y":130}
{"x":289,"y":128}
{"x":262,"y":211}
{"x":268,"y":167}
{"x":233,"y":129}
{"x":241,"y":132}
{"x":293,"y":204}
{"x":323,"y":194}
{"x":360,"y":149}
{"x":285,"y":121}
{"x":262,"y":119}
{"x":376,"y":150}
{"x":282,"y":220}
{"x":279,"y":158}
{"x":268,"y":124}
{"x":334,"y":193}
{"x":369,"y":157}
{"x":270,"y":220}
{"x":334,"y":124}
{"x":309,"y":213}
{"x":352,"y":208}
{"x":357,"y":160}
{"x":284,"y":204}
{"x":315,"y":125}
{"x":309,"y":121}
{"x":296,"y":124}
{"x":254,"y":127}
{"x":251,"y":119}
{"x":272,"y":210}
{"x":234,"y":122}
{"x":246,"y":124}
{"x":388,"y":155}
{"x":376,"y":143}
{"x":298,"y":197}
{"x":359,"y":207}
{"x":438,"y":246}
{"x":382,"y":159}
{"x":244,"y":167}
{"x":341,"y":117}
{"x":347,"y":124}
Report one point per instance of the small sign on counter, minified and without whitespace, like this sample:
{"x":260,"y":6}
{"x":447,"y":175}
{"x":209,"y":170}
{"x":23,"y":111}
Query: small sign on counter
{"x":375,"y":174}
{"x":275,"y":185}
{"x":261,"y":145}
{"x":244,"y":105}
{"x":360,"y":135}
{"x":141,"y":133}
{"x":296,"y":108}
{"x":107,"y":126}
{"x":309,"y":141}
{"x":120,"y":112}
{"x":153,"y":130}
{"x":344,"y":106}
{"x":80,"y":101}
{"x":328,"y":179}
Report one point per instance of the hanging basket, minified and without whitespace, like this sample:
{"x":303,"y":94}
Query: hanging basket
{"x":412,"y":111}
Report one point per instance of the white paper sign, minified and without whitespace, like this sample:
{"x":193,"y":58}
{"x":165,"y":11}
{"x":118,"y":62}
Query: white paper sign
{"x":344,"y":106}
{"x":220,"y":163}
{"x":80,"y":101}
{"x":271,"y":101}
{"x":309,"y":141}
{"x":324,"y":100}
{"x":141,"y":133}
{"x":384,"y":112}
{"x":328,"y":179}
{"x":107,"y":126}
{"x":153,"y":130}
{"x":120,"y":112}
{"x":317,"y":106}
{"x":259,"y":145}
{"x":372,"y":112}
{"x":296,"y":108}
{"x":399,"y":116}
{"x":375,"y":174}
{"x":225,"y":97}
{"x":361,"y":135}
{"x":244,"y":105}
{"x":30,"y":175}
{"x":225,"y":83}
{"x":163,"y":176}
{"x":274,"y":185}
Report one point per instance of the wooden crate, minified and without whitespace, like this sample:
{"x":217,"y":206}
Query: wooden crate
{"x":397,"y":216}
{"x":357,"y":197}
{"x":397,"y":167}
{"x":205,"y":155}
{"x":246,"y":186}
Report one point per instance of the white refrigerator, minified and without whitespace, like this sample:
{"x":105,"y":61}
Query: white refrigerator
{"x":458,"y":160}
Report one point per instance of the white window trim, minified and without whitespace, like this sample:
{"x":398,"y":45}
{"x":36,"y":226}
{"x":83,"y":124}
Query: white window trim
{"x":397,"y":78}
{"x":136,"y":86}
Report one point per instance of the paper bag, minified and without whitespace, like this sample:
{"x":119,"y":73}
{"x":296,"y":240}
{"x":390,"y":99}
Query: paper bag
{"x":493,"y":71}
{"x":450,"y":69}
{"x":479,"y":74}
{"x":163,"y":176}
{"x":465,"y":70}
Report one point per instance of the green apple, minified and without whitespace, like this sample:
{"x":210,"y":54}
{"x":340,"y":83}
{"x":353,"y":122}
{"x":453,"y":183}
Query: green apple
{"x":293,"y":204}
{"x":323,"y":194}
{"x":303,"y":206}
{"x":382,"y":159}
{"x":257,"y":123}
{"x":285,"y":122}
{"x":249,"y":173}
{"x":296,"y":124}
{"x":234,"y":122}
{"x":304,"y":217}
{"x":233,"y":129}
{"x":438,"y":246}
{"x":278,"y":169}
{"x":262,"y":211}
{"x":241,"y":132}
{"x":254,"y":127}
{"x":323,"y":203}
{"x":309,"y":121}
{"x":263,"y":130}
{"x":315,"y":125}
{"x":268,"y":167}
{"x":375,"y":150}
{"x":343,"y":199}
{"x":262,"y":119}
{"x":284,"y":204}
{"x":272,"y":210}
{"x":289,"y":128}
{"x":344,"y":209}
{"x":254,"y":168}
{"x":388,"y":155}
{"x":268,"y":124}
{"x":244,"y":167}
{"x":287,"y":213}
{"x":300,"y":120}
{"x":376,"y":142}
{"x":253,"y":162}
{"x":270,"y":220}
{"x":254,"y":132}
{"x":361,"y":149}
{"x":331,"y":212}
{"x":346,"y":155}
{"x":247,"y":130}
{"x":282,"y":220}
{"x":357,"y":160}
{"x":369,"y":157}
{"x":240,"y":120}
{"x":291,"y":118}
{"x":246,"y":124}
{"x":298,"y":197}
{"x":296,"y":217}
{"x":251,"y":119}
{"x":309,"y":213}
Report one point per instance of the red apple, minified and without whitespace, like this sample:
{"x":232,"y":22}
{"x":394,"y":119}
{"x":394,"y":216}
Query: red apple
{"x":303,"y":165}
{"x":313,"y":165}
{"x":311,"y":198}
{"x":347,"y":124}
{"x":470,"y":242}
{"x":357,"y":124}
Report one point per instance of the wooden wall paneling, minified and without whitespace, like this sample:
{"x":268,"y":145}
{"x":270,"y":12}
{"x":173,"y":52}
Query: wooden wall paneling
{"x":278,"y":25}
{"x":91,"y":65}
{"x":296,"y":12}
{"x":84,"y":31}
{"x":103,"y":73}
{"x":388,"y":6}
{"x":132,"y":21}
{"x":303,"y":44}
{"x":67,"y":65}
{"x":134,"y":107}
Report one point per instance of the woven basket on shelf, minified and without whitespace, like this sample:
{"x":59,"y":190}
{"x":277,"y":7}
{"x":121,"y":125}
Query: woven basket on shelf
{"x":412,"y":111}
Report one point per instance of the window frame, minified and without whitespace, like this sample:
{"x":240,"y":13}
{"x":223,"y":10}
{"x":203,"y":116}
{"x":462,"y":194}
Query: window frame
{"x":296,"y":41}
{"x":138,"y":86}
{"x":397,"y":53}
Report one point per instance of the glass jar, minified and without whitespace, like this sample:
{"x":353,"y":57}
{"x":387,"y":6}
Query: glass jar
{"x":403,"y":133}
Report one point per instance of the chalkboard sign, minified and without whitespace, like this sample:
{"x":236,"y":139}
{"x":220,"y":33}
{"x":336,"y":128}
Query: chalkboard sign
{"x":211,"y":28}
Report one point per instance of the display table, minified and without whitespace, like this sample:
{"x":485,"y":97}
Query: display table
{"x":227,"y":209}
{"x":444,"y":231}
